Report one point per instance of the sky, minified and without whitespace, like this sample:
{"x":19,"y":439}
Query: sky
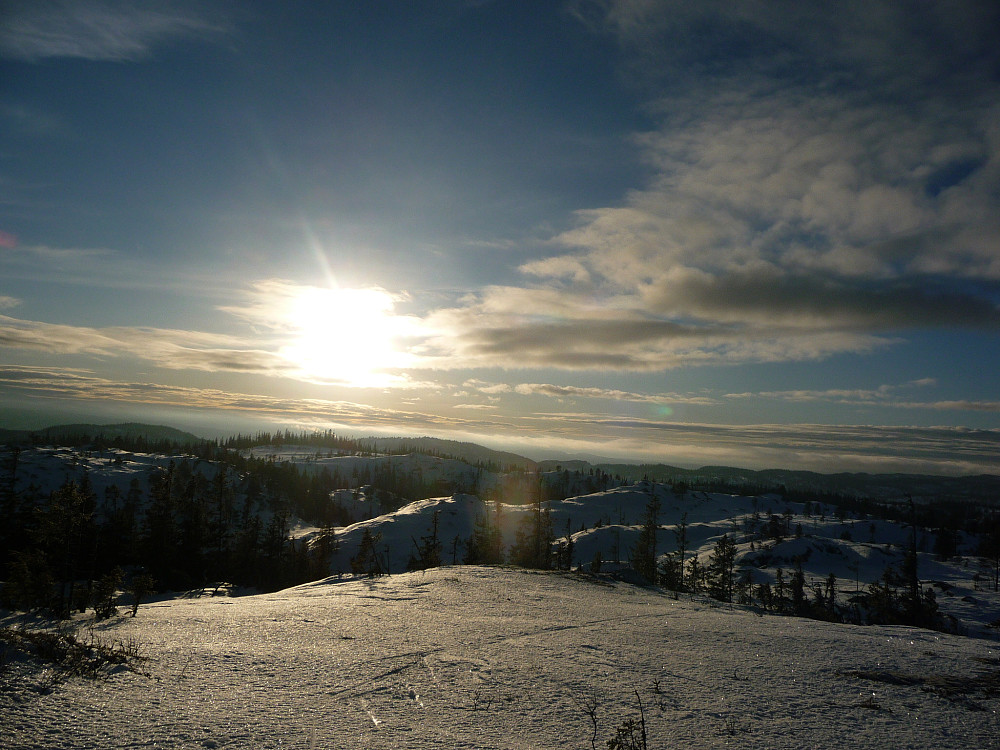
{"x":762,"y":234}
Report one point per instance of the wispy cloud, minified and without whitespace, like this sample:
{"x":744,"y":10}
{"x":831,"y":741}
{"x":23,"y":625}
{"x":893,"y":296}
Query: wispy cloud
{"x":172,"y":349}
{"x":77,"y":383}
{"x":842,"y":395}
{"x":8,"y":302}
{"x":296,"y":332}
{"x":552,"y":390}
{"x":895,"y":396}
{"x":116,"y":30}
{"x":27,"y":120}
{"x":825,"y":448}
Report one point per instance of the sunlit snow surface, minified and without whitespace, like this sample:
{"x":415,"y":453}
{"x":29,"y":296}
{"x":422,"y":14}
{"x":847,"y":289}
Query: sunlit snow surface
{"x":469,"y":657}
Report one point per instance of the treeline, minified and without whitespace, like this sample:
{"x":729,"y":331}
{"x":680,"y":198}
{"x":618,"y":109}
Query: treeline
{"x":183,"y":528}
{"x":197,"y":521}
{"x":323,"y":440}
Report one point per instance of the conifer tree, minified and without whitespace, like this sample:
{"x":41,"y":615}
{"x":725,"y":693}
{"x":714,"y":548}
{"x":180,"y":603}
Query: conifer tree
{"x":428,"y":552}
{"x":681,"y":539}
{"x":798,"y":589}
{"x":644,"y":552}
{"x":720,"y":569}
{"x":534,"y":538}
{"x":65,"y":535}
{"x":367,"y":561}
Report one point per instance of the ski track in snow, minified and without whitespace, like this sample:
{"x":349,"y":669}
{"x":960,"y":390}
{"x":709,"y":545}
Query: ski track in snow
{"x":497,"y":658}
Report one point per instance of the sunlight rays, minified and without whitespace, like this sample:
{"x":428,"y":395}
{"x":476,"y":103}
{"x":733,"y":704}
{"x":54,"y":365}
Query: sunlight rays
{"x":347,"y":336}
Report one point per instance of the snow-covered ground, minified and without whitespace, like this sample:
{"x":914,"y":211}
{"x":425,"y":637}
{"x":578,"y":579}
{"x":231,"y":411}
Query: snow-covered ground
{"x":856,"y":550}
{"x":497,"y":658}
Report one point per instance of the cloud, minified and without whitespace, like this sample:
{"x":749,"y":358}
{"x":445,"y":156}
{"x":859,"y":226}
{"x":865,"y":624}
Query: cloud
{"x":819,"y":447}
{"x":894,"y":396}
{"x":117,"y":30}
{"x":172,"y":349}
{"x":571,"y":392}
{"x":488,"y":388}
{"x":8,"y":302}
{"x":83,"y":384}
{"x":44,"y":253}
{"x":590,"y":337}
{"x":823,"y":181}
{"x":887,"y":44}
{"x":297,"y":332}
{"x":824,"y":448}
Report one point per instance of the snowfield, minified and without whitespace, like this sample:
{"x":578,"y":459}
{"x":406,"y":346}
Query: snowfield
{"x":466,"y":657}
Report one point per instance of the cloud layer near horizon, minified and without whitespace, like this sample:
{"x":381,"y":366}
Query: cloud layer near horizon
{"x":827,"y":448}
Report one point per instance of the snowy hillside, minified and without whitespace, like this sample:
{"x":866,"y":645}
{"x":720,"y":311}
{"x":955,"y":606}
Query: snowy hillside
{"x":855,"y":551}
{"x":824,"y":539}
{"x":494,"y":658}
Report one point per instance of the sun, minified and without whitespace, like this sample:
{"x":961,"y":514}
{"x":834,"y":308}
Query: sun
{"x":347,"y":336}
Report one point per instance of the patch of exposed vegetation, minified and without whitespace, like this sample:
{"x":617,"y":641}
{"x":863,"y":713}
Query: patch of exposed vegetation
{"x":68,"y":656}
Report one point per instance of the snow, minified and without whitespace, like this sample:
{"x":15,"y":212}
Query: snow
{"x":857,"y":560}
{"x":498,"y":658}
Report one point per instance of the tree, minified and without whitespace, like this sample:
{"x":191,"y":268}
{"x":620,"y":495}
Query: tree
{"x":830,"y":595}
{"x":596,"y":562}
{"x":780,"y":590}
{"x":564,"y":552}
{"x":485,"y":544}
{"x":428,"y":552}
{"x":160,"y":537}
{"x":105,"y":594}
{"x":720,"y":569}
{"x":367,"y":561}
{"x":989,"y":548}
{"x":695,"y":575}
{"x":945,"y":543}
{"x":142,"y":586}
{"x":324,"y":547}
{"x":798,"y":589}
{"x":644,"y":552}
{"x":30,"y":583}
{"x":743,"y":588}
{"x":681,"y":539}
{"x":533,"y":542}
{"x":65,"y":535}
{"x":913,"y":603}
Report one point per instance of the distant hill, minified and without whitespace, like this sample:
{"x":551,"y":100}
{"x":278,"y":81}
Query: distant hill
{"x":471,"y":452}
{"x":152,"y":433}
{"x":983,"y":487}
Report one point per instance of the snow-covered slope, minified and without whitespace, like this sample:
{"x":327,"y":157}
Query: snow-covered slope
{"x":494,"y":658}
{"x":856,"y":551}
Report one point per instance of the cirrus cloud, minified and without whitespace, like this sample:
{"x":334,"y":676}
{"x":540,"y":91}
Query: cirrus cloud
{"x":100,"y":30}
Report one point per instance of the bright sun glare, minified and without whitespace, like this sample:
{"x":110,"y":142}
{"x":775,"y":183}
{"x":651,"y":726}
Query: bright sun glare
{"x":349,"y":336}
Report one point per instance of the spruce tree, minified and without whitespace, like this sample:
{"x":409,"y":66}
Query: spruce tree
{"x":644,"y":552}
{"x":367,"y":561}
{"x":681,"y":539}
{"x":720,"y":569}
